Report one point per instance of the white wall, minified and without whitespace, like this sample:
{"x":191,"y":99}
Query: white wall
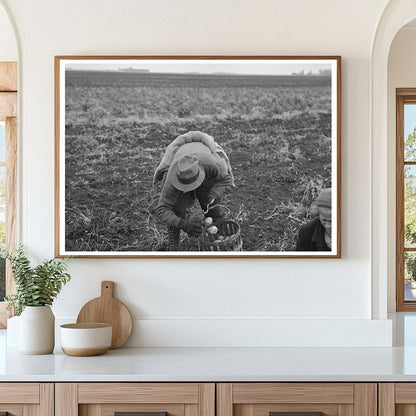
{"x":197,"y":302}
{"x":401,"y":74}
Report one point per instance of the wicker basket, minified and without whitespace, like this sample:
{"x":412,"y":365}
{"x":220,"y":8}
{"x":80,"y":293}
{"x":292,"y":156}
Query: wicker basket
{"x":231,"y":232}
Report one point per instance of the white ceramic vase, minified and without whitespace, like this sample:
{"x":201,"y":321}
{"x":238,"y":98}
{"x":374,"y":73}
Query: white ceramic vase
{"x":37,"y":330}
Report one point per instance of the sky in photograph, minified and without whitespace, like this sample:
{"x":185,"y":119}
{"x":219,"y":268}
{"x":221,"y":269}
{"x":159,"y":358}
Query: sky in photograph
{"x":255,"y":67}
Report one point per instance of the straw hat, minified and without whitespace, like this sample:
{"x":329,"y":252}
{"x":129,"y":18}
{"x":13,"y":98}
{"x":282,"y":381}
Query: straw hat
{"x":186,"y":174}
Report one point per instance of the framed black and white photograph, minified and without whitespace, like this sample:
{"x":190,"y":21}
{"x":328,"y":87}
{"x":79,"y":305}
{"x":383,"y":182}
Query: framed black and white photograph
{"x":198,"y":156}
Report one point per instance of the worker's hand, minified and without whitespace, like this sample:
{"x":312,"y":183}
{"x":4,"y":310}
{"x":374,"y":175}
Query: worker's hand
{"x":191,"y":227}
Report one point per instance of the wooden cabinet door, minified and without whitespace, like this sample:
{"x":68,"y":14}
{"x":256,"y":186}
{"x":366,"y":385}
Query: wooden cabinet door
{"x":397,"y":399}
{"x":143,"y":399}
{"x":297,"y":399}
{"x":26,"y":399}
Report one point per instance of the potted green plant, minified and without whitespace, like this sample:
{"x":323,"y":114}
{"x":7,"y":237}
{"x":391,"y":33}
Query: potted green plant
{"x":36,"y":289}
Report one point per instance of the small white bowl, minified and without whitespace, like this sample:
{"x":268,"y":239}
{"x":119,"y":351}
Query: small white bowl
{"x":83,"y":340}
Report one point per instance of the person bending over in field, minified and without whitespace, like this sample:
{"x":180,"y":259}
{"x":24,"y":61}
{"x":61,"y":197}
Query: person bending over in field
{"x":194,"y":167}
{"x":316,"y":235}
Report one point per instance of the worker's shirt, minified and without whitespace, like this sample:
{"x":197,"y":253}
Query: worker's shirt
{"x":311,"y":237}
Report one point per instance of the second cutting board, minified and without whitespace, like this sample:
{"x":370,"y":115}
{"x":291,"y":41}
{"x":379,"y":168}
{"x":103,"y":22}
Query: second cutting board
{"x":111,"y":311}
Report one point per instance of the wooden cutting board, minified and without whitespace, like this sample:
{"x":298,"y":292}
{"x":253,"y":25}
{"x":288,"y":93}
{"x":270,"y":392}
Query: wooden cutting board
{"x":109,"y":310}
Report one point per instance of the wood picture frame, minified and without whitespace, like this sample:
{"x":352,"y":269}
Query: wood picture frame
{"x":273,"y":122}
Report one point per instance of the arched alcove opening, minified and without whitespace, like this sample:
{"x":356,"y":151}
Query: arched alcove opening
{"x":401,"y":74}
{"x":8,"y":150}
{"x":396,"y":15}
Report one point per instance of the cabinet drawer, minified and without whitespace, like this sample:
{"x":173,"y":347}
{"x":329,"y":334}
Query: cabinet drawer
{"x":296,"y":399}
{"x":19,"y":393}
{"x":138,"y":393}
{"x":148,"y":399}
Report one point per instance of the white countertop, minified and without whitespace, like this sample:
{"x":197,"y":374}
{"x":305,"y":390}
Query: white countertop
{"x":215,"y":364}
{"x":221,"y":364}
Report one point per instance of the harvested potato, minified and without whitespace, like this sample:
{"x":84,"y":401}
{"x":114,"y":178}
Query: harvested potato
{"x":212,"y":230}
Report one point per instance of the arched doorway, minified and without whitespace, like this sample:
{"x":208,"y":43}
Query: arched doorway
{"x":8,"y":150}
{"x":396,"y":15}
